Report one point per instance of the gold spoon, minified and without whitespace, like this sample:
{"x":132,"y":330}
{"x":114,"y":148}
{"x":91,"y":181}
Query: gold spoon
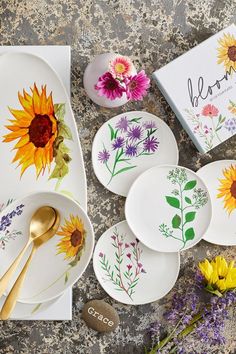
{"x":42,"y":221}
{"x":11,"y":299}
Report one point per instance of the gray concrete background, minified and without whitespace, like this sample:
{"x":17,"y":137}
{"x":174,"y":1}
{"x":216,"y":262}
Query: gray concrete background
{"x":152,"y":33}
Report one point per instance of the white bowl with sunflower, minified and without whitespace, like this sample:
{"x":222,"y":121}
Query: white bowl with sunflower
{"x":58,"y":263}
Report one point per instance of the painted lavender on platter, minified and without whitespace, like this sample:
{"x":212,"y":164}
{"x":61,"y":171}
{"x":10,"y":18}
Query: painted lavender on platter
{"x":7,"y":235}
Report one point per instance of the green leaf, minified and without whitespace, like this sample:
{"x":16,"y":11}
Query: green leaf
{"x":218,"y":128}
{"x":59,"y":171}
{"x":190,"y":185}
{"x":124,"y":169}
{"x":112,"y":132}
{"x":190,"y":216}
{"x":66,"y":277}
{"x":189,"y":234}
{"x":136,"y":120}
{"x":60,"y":111}
{"x":176,"y":221}
{"x":174,"y":202}
{"x":188,"y":200}
{"x":64,"y":131}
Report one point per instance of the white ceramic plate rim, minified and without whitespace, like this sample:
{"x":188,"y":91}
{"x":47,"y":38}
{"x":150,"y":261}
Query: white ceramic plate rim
{"x":110,"y":293}
{"x":209,"y":201}
{"x":92,"y":243}
{"x":117,"y":116}
{"x":201,"y":169}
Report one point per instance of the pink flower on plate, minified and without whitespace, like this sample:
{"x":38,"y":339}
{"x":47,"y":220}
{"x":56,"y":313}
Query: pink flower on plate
{"x":129,"y":266}
{"x":210,"y":111}
{"x":121,"y":66}
{"x":128,"y":255}
{"x":109,"y":87}
{"x":137,"y":85}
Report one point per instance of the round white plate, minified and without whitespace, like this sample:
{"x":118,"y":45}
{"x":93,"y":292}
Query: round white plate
{"x":129,"y":144}
{"x":168,"y":208}
{"x":129,"y":271}
{"x":216,"y":175}
{"x":57,"y":264}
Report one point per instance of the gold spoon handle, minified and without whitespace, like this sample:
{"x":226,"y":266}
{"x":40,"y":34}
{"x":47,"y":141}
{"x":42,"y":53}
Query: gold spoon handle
{"x":11,"y":299}
{"x":4,"y":281}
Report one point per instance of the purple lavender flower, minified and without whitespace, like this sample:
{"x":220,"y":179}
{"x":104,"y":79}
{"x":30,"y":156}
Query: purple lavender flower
{"x":131,"y":150}
{"x":6,"y":220}
{"x":230,"y":125}
{"x":118,"y":143}
{"x":150,"y":144}
{"x":143,"y":271}
{"x":103,"y":156}
{"x":149,"y":125}
{"x":123,"y":124}
{"x":135,"y":133}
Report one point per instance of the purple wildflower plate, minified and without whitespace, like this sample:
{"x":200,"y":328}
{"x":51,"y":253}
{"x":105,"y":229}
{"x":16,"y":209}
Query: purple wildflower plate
{"x":129,"y":271}
{"x":129,"y":144}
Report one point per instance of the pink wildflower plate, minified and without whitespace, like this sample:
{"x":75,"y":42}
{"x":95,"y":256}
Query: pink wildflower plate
{"x":129,"y":144}
{"x":220,"y":179}
{"x":129,"y":271}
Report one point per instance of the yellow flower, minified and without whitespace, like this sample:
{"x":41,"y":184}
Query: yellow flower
{"x":232,"y":108}
{"x":227,"y":51}
{"x":218,"y":274}
{"x":73,"y":237}
{"x":227,"y":189}
{"x":35,"y":128}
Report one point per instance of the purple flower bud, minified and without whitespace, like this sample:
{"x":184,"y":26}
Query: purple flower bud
{"x":129,"y":266}
{"x":101,"y":254}
{"x":128,"y":255}
{"x":113,"y":237}
{"x":126,"y":245}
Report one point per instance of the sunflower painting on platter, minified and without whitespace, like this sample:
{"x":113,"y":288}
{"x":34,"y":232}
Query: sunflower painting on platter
{"x":40,"y":131}
{"x":227,"y":189}
{"x":73,"y":236}
{"x":227,"y":51}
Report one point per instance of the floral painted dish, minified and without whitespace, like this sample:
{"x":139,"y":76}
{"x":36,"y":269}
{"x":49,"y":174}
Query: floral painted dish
{"x":129,"y":144}
{"x":29,"y":70}
{"x":220,"y":179}
{"x":168,"y":208}
{"x":39,"y":143}
{"x":57,"y":264}
{"x":129,"y":271}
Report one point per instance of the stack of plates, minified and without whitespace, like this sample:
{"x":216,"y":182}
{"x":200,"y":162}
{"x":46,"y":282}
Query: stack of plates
{"x":37,"y":158}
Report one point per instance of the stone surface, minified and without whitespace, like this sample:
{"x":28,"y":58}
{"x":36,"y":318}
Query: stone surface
{"x":100,"y":316}
{"x":152,"y":33}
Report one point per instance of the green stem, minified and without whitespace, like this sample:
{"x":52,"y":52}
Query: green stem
{"x":58,"y":184}
{"x":214,"y":128}
{"x":182,"y":213}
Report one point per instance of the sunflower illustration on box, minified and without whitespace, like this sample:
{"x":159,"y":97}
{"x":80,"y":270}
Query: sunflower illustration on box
{"x":227,"y":51}
{"x":40,"y":131}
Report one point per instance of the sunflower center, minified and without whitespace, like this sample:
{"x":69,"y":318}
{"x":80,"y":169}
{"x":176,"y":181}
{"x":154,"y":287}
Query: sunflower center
{"x":233,"y":189}
{"x":232,"y":53}
{"x":76,"y":238}
{"x":40,"y":130}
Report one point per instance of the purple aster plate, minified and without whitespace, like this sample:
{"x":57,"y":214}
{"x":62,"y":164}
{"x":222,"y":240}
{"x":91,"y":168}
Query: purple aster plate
{"x":129,"y":271}
{"x":129,"y":144}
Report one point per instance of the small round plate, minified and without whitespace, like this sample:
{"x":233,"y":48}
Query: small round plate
{"x":57,"y":264}
{"x":129,"y":144}
{"x":129,"y":271}
{"x":220,"y":178}
{"x":168,"y":208}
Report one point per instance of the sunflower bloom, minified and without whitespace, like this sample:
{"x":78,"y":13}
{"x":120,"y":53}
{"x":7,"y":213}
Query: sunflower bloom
{"x":35,"y":129}
{"x":218,"y":274}
{"x":73,"y":237}
{"x":227,"y":51}
{"x":227,"y":189}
